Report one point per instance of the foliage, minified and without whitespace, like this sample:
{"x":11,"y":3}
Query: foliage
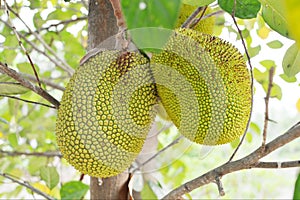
{"x":56,"y":38}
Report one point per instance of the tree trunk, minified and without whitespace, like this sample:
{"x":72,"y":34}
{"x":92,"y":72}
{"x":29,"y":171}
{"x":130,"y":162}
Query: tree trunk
{"x":101,"y":25}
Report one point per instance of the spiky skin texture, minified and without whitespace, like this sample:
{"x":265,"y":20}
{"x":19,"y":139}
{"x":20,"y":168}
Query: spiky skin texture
{"x":204,"y":85}
{"x":106,"y":112}
{"x":204,"y":26}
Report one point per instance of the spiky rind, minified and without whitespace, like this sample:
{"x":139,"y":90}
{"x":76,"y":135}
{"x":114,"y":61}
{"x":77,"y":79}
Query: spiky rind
{"x":204,"y":85}
{"x":106,"y":112}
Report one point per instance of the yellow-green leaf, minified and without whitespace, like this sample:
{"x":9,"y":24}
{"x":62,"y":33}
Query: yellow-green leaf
{"x":293,"y":16}
{"x":291,"y":61}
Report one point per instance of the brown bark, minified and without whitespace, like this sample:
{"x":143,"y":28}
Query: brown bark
{"x":101,"y":25}
{"x":101,"y":22}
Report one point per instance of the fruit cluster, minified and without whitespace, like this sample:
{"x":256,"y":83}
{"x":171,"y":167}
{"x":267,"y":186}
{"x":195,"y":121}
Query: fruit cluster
{"x":109,"y":104}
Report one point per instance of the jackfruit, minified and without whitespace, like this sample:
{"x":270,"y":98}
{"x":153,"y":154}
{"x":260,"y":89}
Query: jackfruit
{"x":106,"y":112}
{"x":204,"y":85}
{"x":203,"y":26}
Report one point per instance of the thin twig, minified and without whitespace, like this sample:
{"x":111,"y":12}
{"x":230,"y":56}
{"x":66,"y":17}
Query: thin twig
{"x":58,"y":64}
{"x":21,"y":44}
{"x":248,"y":162}
{"x":158,"y":153}
{"x":267,"y":98}
{"x":15,"y":75}
{"x":37,"y":154}
{"x":218,"y":12}
{"x":251,"y":84}
{"x":65,"y":22}
{"x":189,"y":20}
{"x":198,"y":19}
{"x":27,"y":185}
{"x":44,"y":81}
{"x":67,"y":67}
{"x":27,"y":101}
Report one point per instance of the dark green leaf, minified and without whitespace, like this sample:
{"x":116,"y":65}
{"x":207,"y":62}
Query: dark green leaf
{"x":244,"y":9}
{"x":297,"y":189}
{"x":73,"y":190}
{"x":274,"y":16}
{"x":50,"y":176}
{"x":291,"y":61}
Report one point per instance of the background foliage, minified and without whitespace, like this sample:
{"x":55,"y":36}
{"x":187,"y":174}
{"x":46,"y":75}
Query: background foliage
{"x":54,"y":33}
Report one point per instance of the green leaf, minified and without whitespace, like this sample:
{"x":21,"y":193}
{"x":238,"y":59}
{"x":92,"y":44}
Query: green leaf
{"x":288,"y":79}
{"x":73,"y":190}
{"x":255,"y":127}
{"x":291,"y":61}
{"x":9,"y":88}
{"x":249,"y":137}
{"x":197,"y":2}
{"x":150,"y":22}
{"x":26,"y":67}
{"x":259,"y":76}
{"x":274,"y":15}
{"x":276,"y":44}
{"x":13,"y":140}
{"x":37,"y":20}
{"x":245,"y":9}
{"x":268,"y":64}
{"x":35,"y":4}
{"x":147,"y":192}
{"x":58,"y":14}
{"x":50,"y":176}
{"x":275,"y":90}
{"x":297,"y":189}
{"x":253,"y":51}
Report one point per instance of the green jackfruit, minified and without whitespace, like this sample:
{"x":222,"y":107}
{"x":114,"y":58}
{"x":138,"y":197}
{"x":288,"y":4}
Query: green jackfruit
{"x":204,"y":25}
{"x":204,"y":85}
{"x":106,"y":112}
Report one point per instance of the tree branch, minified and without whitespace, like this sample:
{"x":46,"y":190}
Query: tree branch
{"x":267,"y":98}
{"x":27,"y":185}
{"x":54,"y":60}
{"x":21,"y":44}
{"x":278,"y":165}
{"x":15,"y":75}
{"x":44,"y":81}
{"x":37,"y":154}
{"x":67,"y":67}
{"x":248,"y":162}
{"x":27,"y":101}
